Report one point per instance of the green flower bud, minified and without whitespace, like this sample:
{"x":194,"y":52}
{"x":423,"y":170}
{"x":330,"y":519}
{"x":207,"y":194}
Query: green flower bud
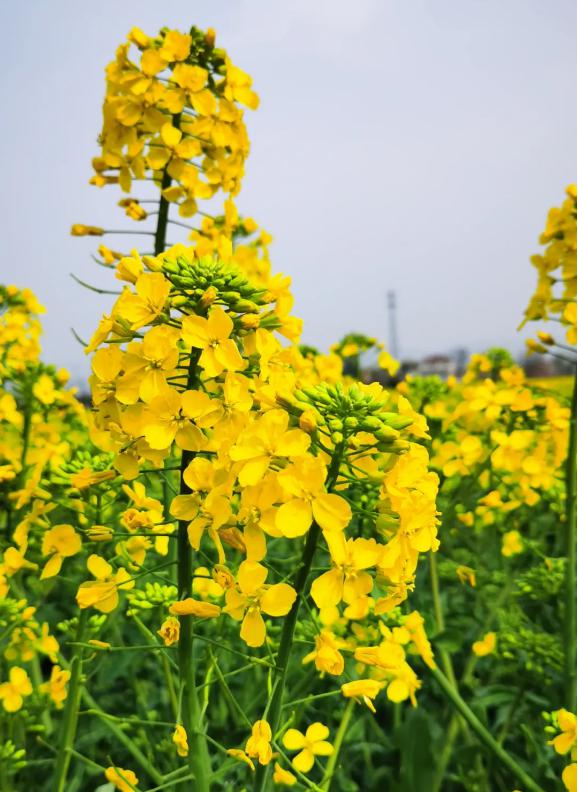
{"x":395,"y":420}
{"x":386,"y":433}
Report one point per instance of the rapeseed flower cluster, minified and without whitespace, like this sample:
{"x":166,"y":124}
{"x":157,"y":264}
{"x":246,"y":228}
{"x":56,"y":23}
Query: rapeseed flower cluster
{"x":555,"y":297}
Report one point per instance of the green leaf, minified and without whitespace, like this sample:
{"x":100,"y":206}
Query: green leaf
{"x":417,"y":760}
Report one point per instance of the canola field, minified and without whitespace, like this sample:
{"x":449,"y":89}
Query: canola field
{"x":240,"y":567}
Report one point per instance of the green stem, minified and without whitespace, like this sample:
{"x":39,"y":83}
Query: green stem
{"x":198,"y":757}
{"x":570,"y":574}
{"x":286,"y":643}
{"x":70,"y":719}
{"x":285,"y":646}
{"x":482,"y":733}
{"x":170,"y":686}
{"x":439,"y":617}
{"x":163,"y":215}
{"x":339,"y":737}
{"x":37,"y":680}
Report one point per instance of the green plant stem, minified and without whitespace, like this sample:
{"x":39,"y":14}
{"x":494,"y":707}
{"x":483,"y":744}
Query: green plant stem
{"x":482,"y":733}
{"x":570,"y":573}
{"x":337,"y":743}
{"x":70,"y":718}
{"x":198,"y":757}
{"x":163,"y":215}
{"x":286,"y":643}
{"x":439,"y":617}
{"x":285,"y":646}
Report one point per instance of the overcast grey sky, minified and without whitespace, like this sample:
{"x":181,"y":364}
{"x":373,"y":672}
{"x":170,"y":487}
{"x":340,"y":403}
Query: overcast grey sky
{"x":413,"y":145}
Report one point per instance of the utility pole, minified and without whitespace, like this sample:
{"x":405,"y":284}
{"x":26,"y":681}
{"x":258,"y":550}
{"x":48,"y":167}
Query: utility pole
{"x":392,"y":317}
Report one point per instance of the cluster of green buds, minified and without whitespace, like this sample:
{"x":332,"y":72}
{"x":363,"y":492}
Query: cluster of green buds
{"x":425,"y":390}
{"x":12,"y":759}
{"x":151,"y":596}
{"x":536,"y":651}
{"x":12,"y":612}
{"x":542,"y":582}
{"x":354,"y":344}
{"x":199,"y":283}
{"x":84,"y":469}
{"x":345,"y":411}
{"x":68,"y":628}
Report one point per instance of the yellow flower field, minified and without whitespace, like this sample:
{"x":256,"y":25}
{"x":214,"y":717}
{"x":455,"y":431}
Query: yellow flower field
{"x":241,"y":567}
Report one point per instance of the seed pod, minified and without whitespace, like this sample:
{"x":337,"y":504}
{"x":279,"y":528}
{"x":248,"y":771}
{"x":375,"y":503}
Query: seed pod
{"x":386,"y":433}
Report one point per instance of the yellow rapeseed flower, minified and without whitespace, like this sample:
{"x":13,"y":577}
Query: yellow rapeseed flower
{"x":311,"y":744}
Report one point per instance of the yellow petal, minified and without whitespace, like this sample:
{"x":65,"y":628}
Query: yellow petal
{"x":194,"y":332}
{"x":158,"y":157}
{"x":253,"y":629}
{"x":220,"y":324}
{"x":332,"y":512}
{"x":52,"y":567}
{"x":278,"y":600}
{"x":327,"y":589}
{"x":397,"y":691}
{"x":293,"y":740}
{"x":294,"y":518}
{"x":322,"y":748}
{"x":98,"y":567}
{"x":184,"y":507}
{"x":229,"y":356}
{"x":171,"y":135}
{"x":317,"y":731}
{"x":251,"y":577}
{"x":293,"y":443}
{"x":204,"y":102}
{"x":303,"y":761}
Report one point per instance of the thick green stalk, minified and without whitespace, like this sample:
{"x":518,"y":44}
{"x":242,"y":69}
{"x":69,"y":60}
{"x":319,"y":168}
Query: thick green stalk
{"x":570,"y":575}
{"x":482,"y":733}
{"x":198,"y":757}
{"x":70,"y":719}
{"x":339,"y":737}
{"x":286,"y":643}
{"x":162,"y":217}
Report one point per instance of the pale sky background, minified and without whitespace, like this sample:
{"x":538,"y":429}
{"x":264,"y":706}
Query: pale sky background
{"x":413,"y":145}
